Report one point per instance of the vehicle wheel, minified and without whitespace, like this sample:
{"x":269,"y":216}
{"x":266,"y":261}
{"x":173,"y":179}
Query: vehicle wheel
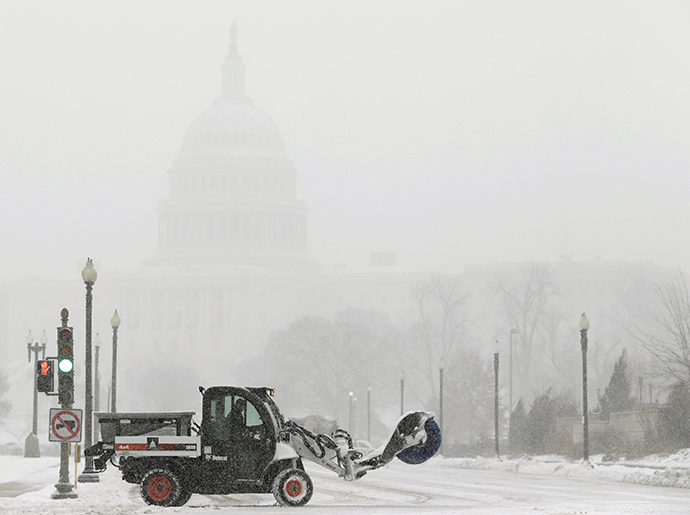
{"x":422,"y":452}
{"x":160,"y":487}
{"x":183,"y":498}
{"x":292,"y":487}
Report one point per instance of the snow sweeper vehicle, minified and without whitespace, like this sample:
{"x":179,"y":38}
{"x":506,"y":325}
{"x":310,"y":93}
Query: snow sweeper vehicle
{"x":243,"y":445}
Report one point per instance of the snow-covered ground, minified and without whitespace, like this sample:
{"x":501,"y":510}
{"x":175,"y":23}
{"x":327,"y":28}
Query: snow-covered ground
{"x":547,"y":484}
{"x":669,"y":471}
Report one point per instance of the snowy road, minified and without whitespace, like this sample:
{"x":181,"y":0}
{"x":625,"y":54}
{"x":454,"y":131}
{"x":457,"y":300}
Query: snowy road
{"x":444,"y":489}
{"x":437,"y":487}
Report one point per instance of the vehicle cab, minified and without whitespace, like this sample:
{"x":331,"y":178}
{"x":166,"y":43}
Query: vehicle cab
{"x":239,"y":435}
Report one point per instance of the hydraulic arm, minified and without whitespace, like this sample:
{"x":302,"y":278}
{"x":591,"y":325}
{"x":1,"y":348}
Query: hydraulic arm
{"x":415,"y":439}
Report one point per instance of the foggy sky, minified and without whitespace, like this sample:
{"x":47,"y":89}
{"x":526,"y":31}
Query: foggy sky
{"x":448,"y":132}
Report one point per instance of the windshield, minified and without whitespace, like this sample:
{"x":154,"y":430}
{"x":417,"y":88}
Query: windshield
{"x":276,"y":415}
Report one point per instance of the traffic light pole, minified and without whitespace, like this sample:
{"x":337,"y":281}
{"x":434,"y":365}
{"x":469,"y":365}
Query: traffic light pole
{"x":63,"y":488}
{"x":31,"y":445}
{"x":36,"y":348}
{"x":34,"y":426}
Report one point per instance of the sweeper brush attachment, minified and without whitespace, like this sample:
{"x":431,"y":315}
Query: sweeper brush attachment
{"x":415,"y":439}
{"x":408,"y":445}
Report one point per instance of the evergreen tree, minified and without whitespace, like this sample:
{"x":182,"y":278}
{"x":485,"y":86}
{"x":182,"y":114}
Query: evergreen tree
{"x":470,"y":415}
{"x":618,"y":393}
{"x":517,"y":433}
{"x":675,"y":419}
{"x":541,"y":421}
{"x":5,"y":405}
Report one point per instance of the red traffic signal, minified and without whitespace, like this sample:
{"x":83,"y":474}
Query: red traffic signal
{"x":44,"y":376}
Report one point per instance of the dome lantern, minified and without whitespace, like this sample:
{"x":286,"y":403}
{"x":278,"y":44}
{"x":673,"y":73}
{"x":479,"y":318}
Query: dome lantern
{"x":233,"y":71}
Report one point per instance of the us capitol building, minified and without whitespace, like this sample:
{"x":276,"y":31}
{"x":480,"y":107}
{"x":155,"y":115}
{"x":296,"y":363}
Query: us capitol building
{"x":232,"y":263}
{"x":232,"y":189}
{"x":232,"y":266}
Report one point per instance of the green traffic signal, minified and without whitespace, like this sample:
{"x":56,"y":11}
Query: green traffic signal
{"x":65,"y":365}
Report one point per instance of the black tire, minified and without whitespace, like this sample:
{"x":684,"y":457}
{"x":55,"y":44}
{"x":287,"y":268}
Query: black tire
{"x":292,"y":487}
{"x":160,"y":487}
{"x":183,"y":498}
{"x":422,"y":452}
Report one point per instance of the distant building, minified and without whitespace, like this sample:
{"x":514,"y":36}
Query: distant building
{"x":232,"y":265}
{"x":232,"y":261}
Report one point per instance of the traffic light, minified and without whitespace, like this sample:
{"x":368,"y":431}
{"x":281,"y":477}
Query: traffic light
{"x":65,"y":360}
{"x":44,"y":376}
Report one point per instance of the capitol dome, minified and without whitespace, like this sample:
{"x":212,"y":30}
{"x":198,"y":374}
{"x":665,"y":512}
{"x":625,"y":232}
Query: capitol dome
{"x":232,"y":188}
{"x":232,"y":127}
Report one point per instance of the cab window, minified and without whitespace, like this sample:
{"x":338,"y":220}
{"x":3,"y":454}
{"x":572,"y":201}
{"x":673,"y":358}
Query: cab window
{"x":232,"y":417}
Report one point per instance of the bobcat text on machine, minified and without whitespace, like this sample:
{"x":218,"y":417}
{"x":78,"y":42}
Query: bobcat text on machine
{"x":243,"y":445}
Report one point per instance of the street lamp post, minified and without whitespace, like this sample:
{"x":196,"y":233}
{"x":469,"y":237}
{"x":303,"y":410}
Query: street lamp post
{"x":97,"y":383}
{"x":97,"y":375}
{"x":640,"y":384}
{"x":88,"y":475}
{"x":510,"y":373}
{"x":115,"y":323}
{"x":441,"y":366}
{"x":31,"y":445}
{"x":352,"y":414}
{"x":369,"y":414}
{"x":402,"y":392}
{"x":496,"y":402}
{"x":584,"y":325}
{"x":110,"y":386}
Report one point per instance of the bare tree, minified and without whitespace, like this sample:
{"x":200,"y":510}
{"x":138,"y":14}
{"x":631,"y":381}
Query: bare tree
{"x":440,"y":328}
{"x":316,"y":362}
{"x":559,"y":351}
{"x":470,"y":386}
{"x":527,"y":301}
{"x":667,"y":337}
{"x":5,"y":405}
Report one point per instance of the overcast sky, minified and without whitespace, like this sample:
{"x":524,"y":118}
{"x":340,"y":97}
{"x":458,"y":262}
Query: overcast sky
{"x":447,"y":132}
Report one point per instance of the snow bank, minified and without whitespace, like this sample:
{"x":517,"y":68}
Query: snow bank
{"x":110,"y":496}
{"x":670,"y":471}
